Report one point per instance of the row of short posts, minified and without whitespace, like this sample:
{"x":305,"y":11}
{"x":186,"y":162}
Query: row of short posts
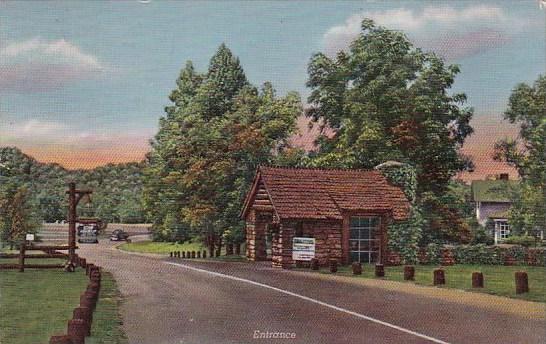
{"x":79,"y":326}
{"x":521,"y":279}
{"x":439,"y":275}
{"x":188,"y":254}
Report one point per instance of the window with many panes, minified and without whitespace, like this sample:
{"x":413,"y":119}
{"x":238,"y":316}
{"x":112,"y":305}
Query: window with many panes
{"x":364,"y":238}
{"x":503,"y":229}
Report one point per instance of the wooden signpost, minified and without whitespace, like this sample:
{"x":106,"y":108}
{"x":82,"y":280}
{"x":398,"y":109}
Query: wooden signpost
{"x":74,"y":197}
{"x":51,"y":251}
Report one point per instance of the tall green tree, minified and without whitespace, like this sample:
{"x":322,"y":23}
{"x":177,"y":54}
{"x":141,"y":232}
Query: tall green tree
{"x":216,"y":141}
{"x":527,"y":108}
{"x":385,"y":100}
{"x":161,"y":199}
{"x":223,"y":81}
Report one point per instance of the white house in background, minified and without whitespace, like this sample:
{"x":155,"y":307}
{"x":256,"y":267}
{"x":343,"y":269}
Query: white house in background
{"x":492,"y":202}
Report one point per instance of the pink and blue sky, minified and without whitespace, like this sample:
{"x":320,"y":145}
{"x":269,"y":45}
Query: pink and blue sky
{"x":84,"y":83}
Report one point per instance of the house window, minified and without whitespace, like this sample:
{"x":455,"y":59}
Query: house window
{"x":503,"y":229}
{"x":363,"y":240}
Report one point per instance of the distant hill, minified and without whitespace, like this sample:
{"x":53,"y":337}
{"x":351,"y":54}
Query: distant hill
{"x":116,"y":188}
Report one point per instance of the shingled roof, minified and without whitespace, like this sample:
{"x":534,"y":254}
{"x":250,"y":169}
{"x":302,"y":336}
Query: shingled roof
{"x":301,"y":193}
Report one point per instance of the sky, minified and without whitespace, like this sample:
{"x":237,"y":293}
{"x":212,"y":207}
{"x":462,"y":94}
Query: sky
{"x":84,"y":83}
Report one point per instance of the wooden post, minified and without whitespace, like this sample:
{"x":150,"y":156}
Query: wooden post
{"x":477,"y":280}
{"x":522,"y":282}
{"x":74,"y":197}
{"x":379,"y":270}
{"x":314,"y":264}
{"x":76,"y":331}
{"x":409,"y":273}
{"x":84,"y":314}
{"x":357,"y":268}
{"x":211,"y":247}
{"x":22,"y":250}
{"x":229,"y":249}
{"x":71,"y":221}
{"x":439,"y":277}
{"x":333,"y":265}
{"x":63,"y":339}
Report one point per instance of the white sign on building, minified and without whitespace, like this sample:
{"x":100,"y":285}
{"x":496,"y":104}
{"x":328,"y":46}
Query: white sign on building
{"x":303,"y":249}
{"x":29,"y":237}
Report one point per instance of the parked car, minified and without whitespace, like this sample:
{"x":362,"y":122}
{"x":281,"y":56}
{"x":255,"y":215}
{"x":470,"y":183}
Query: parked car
{"x":89,"y":228}
{"x":88,"y":235}
{"x":119,"y":235}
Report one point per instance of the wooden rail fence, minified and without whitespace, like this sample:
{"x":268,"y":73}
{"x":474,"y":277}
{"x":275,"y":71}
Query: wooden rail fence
{"x":50,"y":251}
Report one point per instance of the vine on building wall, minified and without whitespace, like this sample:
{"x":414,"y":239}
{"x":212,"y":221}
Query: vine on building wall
{"x":404,"y":236}
{"x":402,"y":175}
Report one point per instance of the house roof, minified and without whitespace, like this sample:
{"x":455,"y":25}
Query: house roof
{"x":504,"y":214}
{"x":301,"y":193}
{"x":492,"y":190}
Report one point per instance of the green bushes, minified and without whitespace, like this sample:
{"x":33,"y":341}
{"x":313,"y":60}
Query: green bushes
{"x":524,"y":240}
{"x":485,"y":255}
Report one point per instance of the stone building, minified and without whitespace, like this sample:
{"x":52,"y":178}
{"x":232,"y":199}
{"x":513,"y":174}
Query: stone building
{"x":346,"y":211}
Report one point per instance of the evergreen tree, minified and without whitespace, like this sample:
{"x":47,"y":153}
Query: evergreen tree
{"x":217,"y":140}
{"x":224,"y":79}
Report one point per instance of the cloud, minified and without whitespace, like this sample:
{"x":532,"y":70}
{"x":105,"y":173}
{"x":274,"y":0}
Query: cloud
{"x":36,"y":65}
{"x":440,"y":29}
{"x":42,"y":133}
{"x":457,"y":46}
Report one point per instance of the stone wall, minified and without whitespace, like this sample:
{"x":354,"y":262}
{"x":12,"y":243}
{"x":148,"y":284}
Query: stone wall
{"x":327,"y":236}
{"x":328,"y":240}
{"x":255,"y":235}
{"x":281,"y":248}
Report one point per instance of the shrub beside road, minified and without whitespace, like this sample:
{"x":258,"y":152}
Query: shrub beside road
{"x":498,"y":279}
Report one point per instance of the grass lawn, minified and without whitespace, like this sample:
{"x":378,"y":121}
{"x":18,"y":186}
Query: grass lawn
{"x":160,"y":247}
{"x":37,"y":304}
{"x":498,"y":279}
{"x":166,"y":247}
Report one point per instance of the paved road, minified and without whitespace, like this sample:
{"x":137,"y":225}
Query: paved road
{"x":218,"y":302}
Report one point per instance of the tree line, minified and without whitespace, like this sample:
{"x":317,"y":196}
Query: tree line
{"x":32,"y":192}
